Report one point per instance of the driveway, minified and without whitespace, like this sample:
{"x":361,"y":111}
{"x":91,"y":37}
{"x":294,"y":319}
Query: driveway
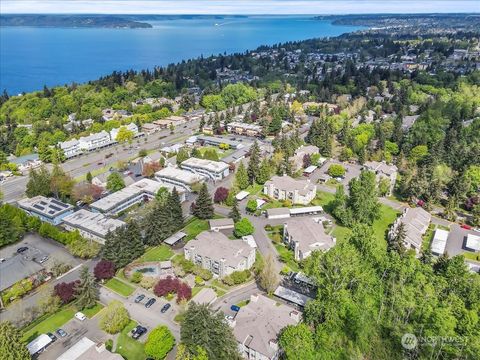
{"x":76,"y":330}
{"x":150,"y":318}
{"x":234,"y":297}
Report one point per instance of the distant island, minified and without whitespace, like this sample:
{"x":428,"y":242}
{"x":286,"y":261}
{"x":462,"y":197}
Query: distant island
{"x":72,"y":21}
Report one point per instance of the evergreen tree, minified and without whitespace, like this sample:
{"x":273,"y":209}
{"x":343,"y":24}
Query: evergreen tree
{"x":86,"y":291}
{"x":204,"y":204}
{"x":206,"y":329}
{"x":264,"y":172}
{"x":89,"y":177}
{"x":174,"y":206}
{"x":253,"y":163}
{"x":320,"y":134}
{"x":133,"y":237}
{"x":158,"y":226}
{"x":234,"y":213}
{"x":38,"y":182}
{"x":241,"y":177}
{"x":12,"y":346}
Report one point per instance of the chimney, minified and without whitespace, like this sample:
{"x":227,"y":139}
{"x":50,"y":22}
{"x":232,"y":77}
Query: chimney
{"x":273,"y":344}
{"x":254,"y":298}
{"x":295,"y":315}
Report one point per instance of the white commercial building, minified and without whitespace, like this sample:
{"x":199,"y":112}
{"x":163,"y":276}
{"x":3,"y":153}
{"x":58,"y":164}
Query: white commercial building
{"x":141,"y":191}
{"x":214,"y":170}
{"x":86,"y":349}
{"x":213,"y":251}
{"x":70,"y":148}
{"x":94,"y":141}
{"x":178,"y":177}
{"x":258,"y":324}
{"x":93,"y":226}
{"x":130,"y":127}
{"x":287,"y":188}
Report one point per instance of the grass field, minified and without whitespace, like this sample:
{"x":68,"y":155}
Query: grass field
{"x":50,"y":324}
{"x":157,"y":253}
{"x":340,"y":232}
{"x":381,"y":226}
{"x":93,"y":311}
{"x":129,"y":348}
{"x":195,"y":227}
{"x":287,"y":257}
{"x":119,"y":287}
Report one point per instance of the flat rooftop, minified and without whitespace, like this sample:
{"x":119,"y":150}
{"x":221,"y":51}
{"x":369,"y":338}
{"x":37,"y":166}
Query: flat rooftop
{"x":111,"y":201}
{"x":182,"y":176}
{"x":48,"y":207}
{"x":92,"y":222}
{"x":209,"y":165}
{"x":218,"y":140}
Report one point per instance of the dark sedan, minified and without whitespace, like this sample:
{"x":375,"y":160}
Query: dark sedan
{"x":138,"y":331}
{"x":165,"y":308}
{"x":150,"y":302}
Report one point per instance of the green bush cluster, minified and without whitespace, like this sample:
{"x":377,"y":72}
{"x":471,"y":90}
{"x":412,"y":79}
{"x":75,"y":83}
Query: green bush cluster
{"x":237,"y":277}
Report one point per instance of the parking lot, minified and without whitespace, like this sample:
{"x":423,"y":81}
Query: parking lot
{"x":38,"y":249}
{"x":75,"y":330}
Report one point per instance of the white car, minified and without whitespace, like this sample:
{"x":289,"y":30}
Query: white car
{"x":80,"y":316}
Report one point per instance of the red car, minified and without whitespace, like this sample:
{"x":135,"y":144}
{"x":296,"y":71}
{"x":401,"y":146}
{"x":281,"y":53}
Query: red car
{"x":466,"y":227}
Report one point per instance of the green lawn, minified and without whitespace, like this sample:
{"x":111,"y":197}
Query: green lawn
{"x":93,"y":311}
{"x":129,"y":348}
{"x":324,"y":199}
{"x":340,"y":232}
{"x":49,"y":324}
{"x":254,"y":189}
{"x":472,"y":256}
{"x":196,"y":290}
{"x":381,"y":226}
{"x":195,"y":227}
{"x":119,"y":287}
{"x":242,"y":303}
{"x":287,"y":257}
{"x":157,"y":253}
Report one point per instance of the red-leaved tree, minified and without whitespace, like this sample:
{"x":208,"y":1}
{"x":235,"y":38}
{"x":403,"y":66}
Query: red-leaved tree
{"x":220,"y":195}
{"x":65,"y":291}
{"x":171,"y":285}
{"x":104,"y":270}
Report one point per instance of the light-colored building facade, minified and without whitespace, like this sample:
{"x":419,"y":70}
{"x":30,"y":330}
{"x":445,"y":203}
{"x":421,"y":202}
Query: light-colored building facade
{"x":286,"y":188}
{"x":136,"y":193}
{"x":130,"y":127}
{"x":304,"y":235}
{"x":94,"y":141}
{"x":415,"y":222}
{"x":70,"y":148}
{"x":177,"y":177}
{"x":215,"y":252}
{"x":258,"y":324}
{"x":46,"y":209}
{"x":93,"y":226}
{"x":214,"y":170}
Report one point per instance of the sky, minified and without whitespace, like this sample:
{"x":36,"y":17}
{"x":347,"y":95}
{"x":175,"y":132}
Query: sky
{"x":237,"y":6}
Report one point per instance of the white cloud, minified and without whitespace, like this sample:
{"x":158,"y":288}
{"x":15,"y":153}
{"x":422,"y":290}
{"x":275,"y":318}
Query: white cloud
{"x":237,"y":6}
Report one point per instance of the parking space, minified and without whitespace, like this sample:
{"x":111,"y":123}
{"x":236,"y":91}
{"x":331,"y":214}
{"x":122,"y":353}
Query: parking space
{"x":43,"y":251}
{"x":75,"y":330}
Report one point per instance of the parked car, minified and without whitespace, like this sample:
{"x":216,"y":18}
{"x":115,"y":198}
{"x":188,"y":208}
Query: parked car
{"x":150,"y":302}
{"x":2,"y":260}
{"x":139,"y":298}
{"x":165,"y":308}
{"x":51,"y":336}
{"x":43,"y":259}
{"x":466,"y":227}
{"x":235,"y":308}
{"x":80,"y":316}
{"x":229,"y":318}
{"x":138,"y":331}
{"x":22,"y":249}
{"x":61,"y":332}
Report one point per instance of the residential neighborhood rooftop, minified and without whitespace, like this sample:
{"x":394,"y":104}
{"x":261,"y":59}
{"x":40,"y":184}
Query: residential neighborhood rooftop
{"x":96,"y":223}
{"x":182,"y":176}
{"x":209,"y":165}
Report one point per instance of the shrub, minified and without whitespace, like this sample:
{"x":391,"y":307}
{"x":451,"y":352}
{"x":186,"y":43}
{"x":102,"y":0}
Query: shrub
{"x":136,"y":277}
{"x":268,"y":227}
{"x":237,"y":277}
{"x":205,"y":274}
{"x":109,"y":344}
{"x":172,"y":285}
{"x":243,"y":227}
{"x":104,"y":270}
{"x":17,"y":290}
{"x":59,"y":268}
{"x":147,"y":282}
{"x":65,"y":291}
{"x":78,"y":246}
{"x":336,"y":170}
{"x":159,"y":342}
{"x":251,"y":205}
{"x":221,"y":195}
{"x":199,"y":280}
{"x":114,"y":317}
